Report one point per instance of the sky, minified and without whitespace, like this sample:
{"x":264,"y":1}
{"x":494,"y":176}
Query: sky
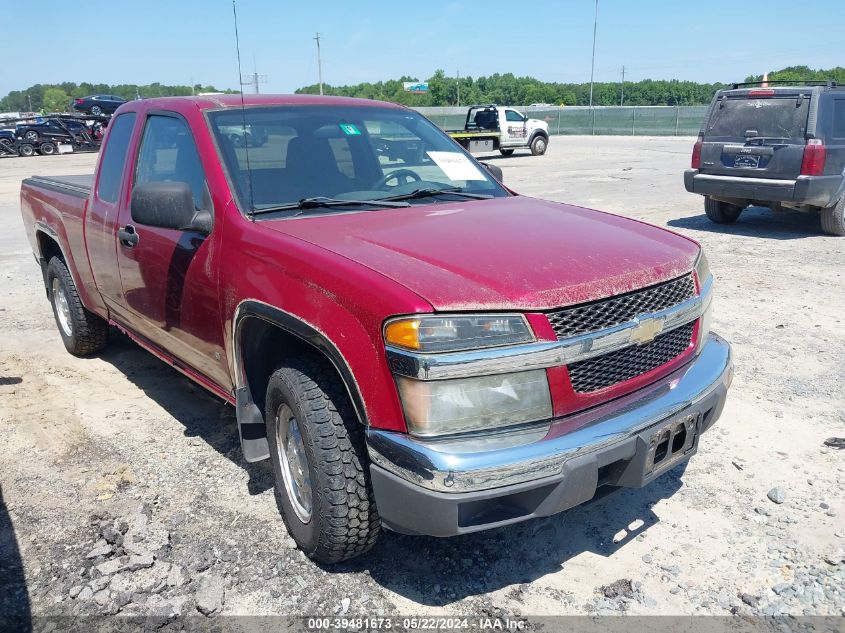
{"x":185,"y":41}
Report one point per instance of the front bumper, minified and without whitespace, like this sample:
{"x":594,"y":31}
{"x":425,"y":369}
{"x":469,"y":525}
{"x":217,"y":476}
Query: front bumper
{"x":449,"y":487}
{"x":819,"y":191}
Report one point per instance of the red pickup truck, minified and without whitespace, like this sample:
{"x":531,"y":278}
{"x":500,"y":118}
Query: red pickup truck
{"x":411,"y":343}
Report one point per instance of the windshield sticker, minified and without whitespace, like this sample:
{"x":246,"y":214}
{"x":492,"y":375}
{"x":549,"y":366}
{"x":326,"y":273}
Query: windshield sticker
{"x":456,"y":166}
{"x":349,"y":129}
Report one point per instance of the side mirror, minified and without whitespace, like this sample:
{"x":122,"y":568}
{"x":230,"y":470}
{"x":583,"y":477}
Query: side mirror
{"x":494,"y":171}
{"x":168,"y":205}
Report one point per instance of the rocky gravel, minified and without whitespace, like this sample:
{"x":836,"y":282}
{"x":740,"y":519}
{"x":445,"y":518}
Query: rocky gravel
{"x":122,"y":490}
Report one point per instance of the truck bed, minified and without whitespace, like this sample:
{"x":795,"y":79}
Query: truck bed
{"x":79,"y":186}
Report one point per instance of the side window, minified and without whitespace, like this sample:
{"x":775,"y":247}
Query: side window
{"x":511,"y":115}
{"x":114,"y":157}
{"x":168,"y":153}
{"x":838,"y":128}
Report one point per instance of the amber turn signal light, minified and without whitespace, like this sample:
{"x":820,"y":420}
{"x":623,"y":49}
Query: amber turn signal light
{"x":403,"y":333}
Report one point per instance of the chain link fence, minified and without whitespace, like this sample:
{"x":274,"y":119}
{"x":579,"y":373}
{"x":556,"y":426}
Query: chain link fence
{"x":605,"y":120}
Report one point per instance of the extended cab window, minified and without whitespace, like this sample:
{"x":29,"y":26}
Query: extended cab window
{"x":168,"y":153}
{"x":510,"y":115}
{"x":114,"y":157}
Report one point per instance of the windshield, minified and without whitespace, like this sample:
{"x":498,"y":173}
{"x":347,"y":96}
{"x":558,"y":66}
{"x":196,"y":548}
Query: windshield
{"x":277,"y":156}
{"x":774,"y":118}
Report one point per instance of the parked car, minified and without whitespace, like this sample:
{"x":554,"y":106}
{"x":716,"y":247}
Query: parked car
{"x":98,"y":104}
{"x":777,"y":146}
{"x":491,"y":127}
{"x":411,"y":344}
{"x":7,"y":137}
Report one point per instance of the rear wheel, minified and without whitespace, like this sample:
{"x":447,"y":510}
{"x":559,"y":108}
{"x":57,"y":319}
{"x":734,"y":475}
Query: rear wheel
{"x":721,"y":212}
{"x":539,"y":145}
{"x":833,"y":218}
{"x":26,"y":150}
{"x":47,"y":149}
{"x":82,"y":332}
{"x":31,"y":136}
{"x":319,"y":461}
{"x":96,"y":110}
{"x":506,"y":152}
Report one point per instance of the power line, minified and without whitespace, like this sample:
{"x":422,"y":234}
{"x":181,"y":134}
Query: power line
{"x":593,"y":63}
{"x":622,"y":98}
{"x":319,"y":63}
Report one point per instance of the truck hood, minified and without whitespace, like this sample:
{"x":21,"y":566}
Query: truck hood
{"x":514,"y":253}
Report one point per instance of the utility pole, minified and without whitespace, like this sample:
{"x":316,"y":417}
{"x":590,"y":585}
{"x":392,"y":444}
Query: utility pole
{"x":253,"y":80}
{"x":192,"y":86}
{"x":319,"y":63}
{"x":622,"y":98}
{"x":459,"y":88}
{"x":593,"y":64}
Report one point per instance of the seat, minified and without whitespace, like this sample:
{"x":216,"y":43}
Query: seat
{"x":312,"y":169}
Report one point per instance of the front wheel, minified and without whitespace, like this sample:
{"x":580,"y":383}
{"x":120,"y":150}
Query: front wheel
{"x":82,"y":331}
{"x":721,"y":212}
{"x":320,"y":463}
{"x":539,"y":145}
{"x":833,"y":218}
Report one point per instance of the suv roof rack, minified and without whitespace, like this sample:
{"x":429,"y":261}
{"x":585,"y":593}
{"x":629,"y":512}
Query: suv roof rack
{"x":808,"y":82}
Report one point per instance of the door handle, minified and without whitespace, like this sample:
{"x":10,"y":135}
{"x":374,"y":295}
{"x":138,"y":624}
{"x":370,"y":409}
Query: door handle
{"x":128,"y":236}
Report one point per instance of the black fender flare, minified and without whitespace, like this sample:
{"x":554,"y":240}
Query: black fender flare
{"x":250,"y":419}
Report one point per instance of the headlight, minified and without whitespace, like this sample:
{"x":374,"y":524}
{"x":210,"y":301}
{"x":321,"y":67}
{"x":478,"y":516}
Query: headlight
{"x":457,"y":332}
{"x":702,"y":268}
{"x":702,"y":271}
{"x":443,"y":407}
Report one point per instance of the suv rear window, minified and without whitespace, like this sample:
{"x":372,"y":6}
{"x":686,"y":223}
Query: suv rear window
{"x":773,"y":118}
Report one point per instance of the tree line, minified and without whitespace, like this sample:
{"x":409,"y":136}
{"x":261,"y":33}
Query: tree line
{"x":512,"y":90}
{"x":58,"y":97}
{"x":443,"y":91}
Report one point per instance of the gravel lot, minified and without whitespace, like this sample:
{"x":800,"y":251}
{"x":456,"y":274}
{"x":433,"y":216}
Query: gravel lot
{"x":123,"y":489}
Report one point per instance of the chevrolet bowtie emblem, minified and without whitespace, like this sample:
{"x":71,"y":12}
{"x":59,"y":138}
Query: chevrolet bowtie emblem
{"x":646,"y":330}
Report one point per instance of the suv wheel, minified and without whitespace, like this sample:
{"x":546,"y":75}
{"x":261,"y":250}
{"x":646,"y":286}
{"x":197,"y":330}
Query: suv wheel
{"x":833,"y":218}
{"x":82,"y":332}
{"x":96,"y":110}
{"x":721,"y":212}
{"x":320,"y":462}
{"x":31,"y":136}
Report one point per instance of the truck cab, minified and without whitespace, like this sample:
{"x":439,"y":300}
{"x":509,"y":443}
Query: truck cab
{"x":491,"y":127}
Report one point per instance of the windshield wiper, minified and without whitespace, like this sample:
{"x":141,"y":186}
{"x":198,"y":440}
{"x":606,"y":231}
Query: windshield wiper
{"x":320,"y":202}
{"x":431,"y":191}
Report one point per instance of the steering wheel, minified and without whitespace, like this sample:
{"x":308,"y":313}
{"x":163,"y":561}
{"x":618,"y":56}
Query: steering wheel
{"x":402,"y":176}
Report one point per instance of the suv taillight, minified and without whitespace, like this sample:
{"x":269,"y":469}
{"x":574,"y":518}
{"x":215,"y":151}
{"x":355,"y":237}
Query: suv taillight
{"x":815,"y":154}
{"x":695,"y":163}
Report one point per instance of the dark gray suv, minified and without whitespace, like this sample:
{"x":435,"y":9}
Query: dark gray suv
{"x":778,"y":147}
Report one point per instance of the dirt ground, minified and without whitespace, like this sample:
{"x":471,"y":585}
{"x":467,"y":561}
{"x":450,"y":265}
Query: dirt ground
{"x":92,"y":450}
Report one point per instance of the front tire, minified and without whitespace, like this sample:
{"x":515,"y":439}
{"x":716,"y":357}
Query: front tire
{"x":539,"y":145}
{"x":82,"y":331}
{"x":319,"y":461}
{"x":833,"y":219}
{"x":721,"y":212}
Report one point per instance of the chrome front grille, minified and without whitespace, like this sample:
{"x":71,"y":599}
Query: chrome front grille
{"x":610,"y":369}
{"x":606,"y":313}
